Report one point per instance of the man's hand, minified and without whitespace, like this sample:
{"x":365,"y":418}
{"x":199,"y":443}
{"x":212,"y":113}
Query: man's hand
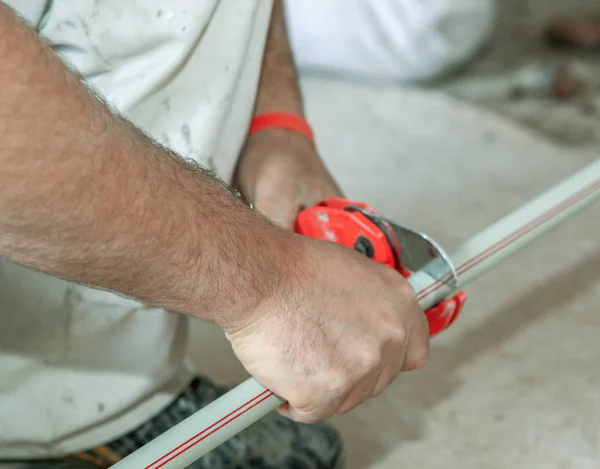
{"x":337,"y":327}
{"x":336,"y":331}
{"x":280,"y":173}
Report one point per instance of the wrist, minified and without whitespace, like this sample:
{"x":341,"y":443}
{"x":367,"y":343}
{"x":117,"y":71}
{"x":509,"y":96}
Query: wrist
{"x":293,"y":123}
{"x":263,"y":267}
{"x":264,"y":152}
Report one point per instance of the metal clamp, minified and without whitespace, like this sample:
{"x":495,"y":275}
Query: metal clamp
{"x":418,"y":251}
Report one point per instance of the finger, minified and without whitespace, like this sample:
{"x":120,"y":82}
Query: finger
{"x":313,"y":407}
{"x":417,"y":351}
{"x":362,"y":392}
{"x":393,"y":364}
{"x":384,"y":382}
{"x":284,"y":409}
{"x":396,"y":361}
{"x":307,"y":416}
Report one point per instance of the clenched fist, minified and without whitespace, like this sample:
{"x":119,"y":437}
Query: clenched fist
{"x":336,"y":331}
{"x":337,"y":327}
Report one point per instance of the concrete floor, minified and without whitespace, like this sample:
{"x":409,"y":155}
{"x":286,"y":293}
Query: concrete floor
{"x":517,"y":52}
{"x":515,"y":382}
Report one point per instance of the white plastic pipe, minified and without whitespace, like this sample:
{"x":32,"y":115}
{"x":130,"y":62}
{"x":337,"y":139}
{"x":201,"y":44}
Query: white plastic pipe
{"x":238,"y":409}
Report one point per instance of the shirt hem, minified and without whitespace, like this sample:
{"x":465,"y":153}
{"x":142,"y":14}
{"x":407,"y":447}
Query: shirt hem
{"x":102,"y":433}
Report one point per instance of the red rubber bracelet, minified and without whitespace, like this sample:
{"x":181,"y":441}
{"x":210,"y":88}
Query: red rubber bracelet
{"x":281,"y":120}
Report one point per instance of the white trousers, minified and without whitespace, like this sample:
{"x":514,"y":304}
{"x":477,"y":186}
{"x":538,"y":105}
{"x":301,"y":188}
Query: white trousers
{"x":403,"y":40}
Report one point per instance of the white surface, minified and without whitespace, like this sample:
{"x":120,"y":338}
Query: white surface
{"x":515,"y":382}
{"x":387,"y":39}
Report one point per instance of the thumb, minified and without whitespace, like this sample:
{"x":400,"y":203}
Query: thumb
{"x":301,"y":416}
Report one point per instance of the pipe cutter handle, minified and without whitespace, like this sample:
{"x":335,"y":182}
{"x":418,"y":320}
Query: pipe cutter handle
{"x":359,"y":227}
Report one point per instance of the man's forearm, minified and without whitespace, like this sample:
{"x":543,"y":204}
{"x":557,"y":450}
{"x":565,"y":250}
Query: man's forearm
{"x":85,"y":196}
{"x":278,"y":90}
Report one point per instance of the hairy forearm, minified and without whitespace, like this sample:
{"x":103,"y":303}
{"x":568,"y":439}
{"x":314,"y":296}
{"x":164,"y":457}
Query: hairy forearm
{"x":86,"y":197}
{"x":278,"y":90}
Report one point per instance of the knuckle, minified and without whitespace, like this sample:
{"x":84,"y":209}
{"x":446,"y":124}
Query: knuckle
{"x":339,"y":385}
{"x":370,"y":359}
{"x":417,"y":359}
{"x":308,"y":409}
{"x":300,"y":401}
{"x":303,"y":397}
{"x":317,"y":400}
{"x":311,"y":417}
{"x":308,"y":416}
{"x":398,"y":335}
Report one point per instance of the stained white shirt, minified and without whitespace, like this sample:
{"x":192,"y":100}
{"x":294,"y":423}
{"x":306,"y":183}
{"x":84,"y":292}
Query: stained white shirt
{"x":79,"y":367}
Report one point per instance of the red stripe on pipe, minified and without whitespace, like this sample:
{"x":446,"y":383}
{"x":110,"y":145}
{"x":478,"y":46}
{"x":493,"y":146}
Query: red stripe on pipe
{"x":478,"y":259}
{"x":265,"y":395}
{"x":214,"y":430}
{"x":509,"y":239}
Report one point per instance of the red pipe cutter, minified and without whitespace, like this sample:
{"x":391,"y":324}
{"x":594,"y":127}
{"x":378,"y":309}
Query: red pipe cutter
{"x":359,"y":227}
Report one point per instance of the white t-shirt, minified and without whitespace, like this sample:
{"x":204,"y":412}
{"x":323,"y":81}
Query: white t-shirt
{"x":405,"y":40}
{"x":79,"y":366}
